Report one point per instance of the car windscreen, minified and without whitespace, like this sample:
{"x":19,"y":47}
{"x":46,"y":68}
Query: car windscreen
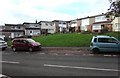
{"x":30,"y":40}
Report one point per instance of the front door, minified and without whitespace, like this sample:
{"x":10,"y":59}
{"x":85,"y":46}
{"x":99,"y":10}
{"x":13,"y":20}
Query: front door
{"x":12,"y":35}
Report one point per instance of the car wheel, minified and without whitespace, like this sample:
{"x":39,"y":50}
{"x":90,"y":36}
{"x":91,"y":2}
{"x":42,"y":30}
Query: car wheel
{"x":31,"y":49}
{"x":3,"y":49}
{"x":14,"y":49}
{"x":96,"y":51}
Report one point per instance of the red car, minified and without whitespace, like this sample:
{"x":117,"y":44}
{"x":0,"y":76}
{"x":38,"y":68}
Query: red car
{"x":25,"y":44}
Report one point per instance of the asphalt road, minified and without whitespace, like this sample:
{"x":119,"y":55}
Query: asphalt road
{"x":41,"y":64}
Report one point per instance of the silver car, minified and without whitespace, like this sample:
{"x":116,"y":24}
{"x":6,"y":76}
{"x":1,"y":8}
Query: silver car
{"x":4,"y":76}
{"x":104,"y":44}
{"x":3,"y":44}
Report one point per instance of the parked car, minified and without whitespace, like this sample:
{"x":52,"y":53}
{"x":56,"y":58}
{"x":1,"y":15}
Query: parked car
{"x":4,"y":76}
{"x":25,"y":44}
{"x":104,"y":44}
{"x":3,"y":44}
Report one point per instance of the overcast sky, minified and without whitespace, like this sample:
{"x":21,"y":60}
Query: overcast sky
{"x":19,"y":11}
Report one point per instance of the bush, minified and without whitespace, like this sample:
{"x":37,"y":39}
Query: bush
{"x":105,"y":29}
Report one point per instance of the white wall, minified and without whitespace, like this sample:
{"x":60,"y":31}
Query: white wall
{"x":84,"y":24}
{"x":117,"y":27}
{"x":74,"y":23}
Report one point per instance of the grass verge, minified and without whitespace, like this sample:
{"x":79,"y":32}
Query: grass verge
{"x":68,"y":40}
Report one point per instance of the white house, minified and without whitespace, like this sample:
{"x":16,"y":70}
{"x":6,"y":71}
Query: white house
{"x":62,"y":26}
{"x":116,"y":24}
{"x":48,"y":26}
{"x":100,"y":22}
{"x":32,"y":29}
{"x":84,"y":23}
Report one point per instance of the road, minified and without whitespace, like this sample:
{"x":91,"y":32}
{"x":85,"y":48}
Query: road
{"x":40,"y":64}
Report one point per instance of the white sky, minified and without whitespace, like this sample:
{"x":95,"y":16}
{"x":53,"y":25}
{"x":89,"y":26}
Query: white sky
{"x":19,"y":11}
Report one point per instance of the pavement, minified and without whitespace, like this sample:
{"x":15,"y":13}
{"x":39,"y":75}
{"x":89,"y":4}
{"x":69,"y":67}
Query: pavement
{"x":63,"y":50}
{"x":68,"y":51}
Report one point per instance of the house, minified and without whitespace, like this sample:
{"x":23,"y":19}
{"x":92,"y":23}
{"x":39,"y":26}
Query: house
{"x":32,"y":29}
{"x":13,"y":30}
{"x":116,"y":24}
{"x":2,"y":35}
{"x":74,"y":25}
{"x":56,"y":23}
{"x":86,"y":23}
{"x":100,"y":22}
{"x":47,"y":27}
{"x":61,"y":26}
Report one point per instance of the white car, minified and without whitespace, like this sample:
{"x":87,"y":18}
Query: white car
{"x":3,"y":76}
{"x":3,"y":44}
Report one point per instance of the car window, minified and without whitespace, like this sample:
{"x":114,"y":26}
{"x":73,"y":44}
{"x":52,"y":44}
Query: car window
{"x":95,"y":40}
{"x":22,"y":41}
{"x":107,"y":40}
{"x":103,"y":40}
{"x":16,"y":41}
{"x":30,"y":40}
{"x":111,"y":40}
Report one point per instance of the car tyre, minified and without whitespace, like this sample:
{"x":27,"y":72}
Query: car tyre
{"x":3,"y":49}
{"x":96,"y":51}
{"x":30,"y":49}
{"x":14,"y":49}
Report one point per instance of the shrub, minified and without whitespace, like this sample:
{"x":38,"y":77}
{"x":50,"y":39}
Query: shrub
{"x":105,"y":29}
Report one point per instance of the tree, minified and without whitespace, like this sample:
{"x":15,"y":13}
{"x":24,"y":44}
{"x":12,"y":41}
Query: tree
{"x":114,"y":9}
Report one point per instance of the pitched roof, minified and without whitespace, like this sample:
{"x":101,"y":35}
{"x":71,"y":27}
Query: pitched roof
{"x":13,"y":24}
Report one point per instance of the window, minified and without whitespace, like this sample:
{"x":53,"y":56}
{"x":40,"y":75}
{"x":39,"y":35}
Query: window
{"x":107,"y":40}
{"x":30,"y":31}
{"x":18,"y":27}
{"x":103,"y":40}
{"x":60,"y":23}
{"x":95,"y":40}
{"x":111,"y":40}
{"x":51,"y":24}
{"x":12,"y":27}
{"x":16,"y":41}
{"x":46,"y":24}
{"x":64,"y":23}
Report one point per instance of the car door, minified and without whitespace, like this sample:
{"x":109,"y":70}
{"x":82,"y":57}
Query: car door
{"x":24,"y":45}
{"x":108,"y":44}
{"x":17,"y":44}
{"x":113,"y":44}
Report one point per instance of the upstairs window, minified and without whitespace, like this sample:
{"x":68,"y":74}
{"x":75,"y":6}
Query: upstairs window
{"x":12,"y":27}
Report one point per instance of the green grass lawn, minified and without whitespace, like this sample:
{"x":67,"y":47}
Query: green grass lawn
{"x":68,"y":40}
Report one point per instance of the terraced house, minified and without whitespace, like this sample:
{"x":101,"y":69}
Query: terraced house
{"x":90,"y":23}
{"x":32,"y":29}
{"x":116,"y":24}
{"x":100,"y":22}
{"x":13,"y":30}
{"x":2,"y":35}
{"x":47,"y":27}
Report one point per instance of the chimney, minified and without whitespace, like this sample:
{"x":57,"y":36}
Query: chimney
{"x":36,"y":21}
